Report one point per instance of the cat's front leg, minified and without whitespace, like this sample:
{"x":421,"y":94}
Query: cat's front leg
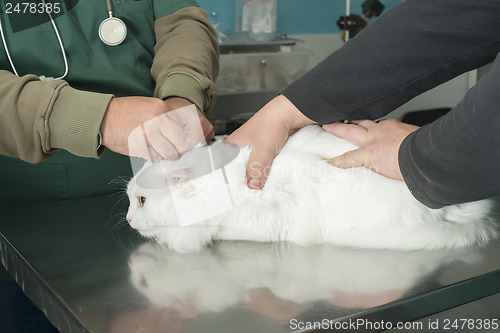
{"x":187,"y":239}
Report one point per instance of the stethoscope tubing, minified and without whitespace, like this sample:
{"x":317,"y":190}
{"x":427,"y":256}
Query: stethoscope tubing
{"x":61,"y":46}
{"x":109,"y":8}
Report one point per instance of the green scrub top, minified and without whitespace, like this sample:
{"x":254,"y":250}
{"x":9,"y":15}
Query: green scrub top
{"x":122,"y":70}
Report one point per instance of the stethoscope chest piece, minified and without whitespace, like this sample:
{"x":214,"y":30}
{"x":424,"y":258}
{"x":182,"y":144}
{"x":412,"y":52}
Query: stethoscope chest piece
{"x":112,"y":31}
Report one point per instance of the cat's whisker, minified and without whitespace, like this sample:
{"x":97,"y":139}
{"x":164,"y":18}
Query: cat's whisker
{"x":118,"y":183}
{"x":117,"y":221}
{"x":120,"y":222}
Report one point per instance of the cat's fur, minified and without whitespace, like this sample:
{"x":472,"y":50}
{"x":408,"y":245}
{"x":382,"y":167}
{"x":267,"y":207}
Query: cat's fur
{"x":305,"y":201}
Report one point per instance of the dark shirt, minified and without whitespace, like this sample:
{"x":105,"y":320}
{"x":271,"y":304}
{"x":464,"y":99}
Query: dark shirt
{"x":410,"y":49}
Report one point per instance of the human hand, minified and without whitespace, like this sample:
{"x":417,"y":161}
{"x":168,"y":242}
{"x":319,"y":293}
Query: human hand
{"x":266,"y":133}
{"x":150,"y":128}
{"x":265,"y":303}
{"x":379,"y":145}
{"x":174,"y":103}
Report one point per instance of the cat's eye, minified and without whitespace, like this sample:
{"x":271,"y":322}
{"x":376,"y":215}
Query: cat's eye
{"x":142,"y":200}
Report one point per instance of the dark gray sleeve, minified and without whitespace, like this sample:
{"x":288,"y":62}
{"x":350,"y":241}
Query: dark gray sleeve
{"x":412,"y":48}
{"x":457,"y":158}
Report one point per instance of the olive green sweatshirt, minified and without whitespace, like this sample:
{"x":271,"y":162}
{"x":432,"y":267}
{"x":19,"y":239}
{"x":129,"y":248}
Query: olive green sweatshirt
{"x":171,"y":50}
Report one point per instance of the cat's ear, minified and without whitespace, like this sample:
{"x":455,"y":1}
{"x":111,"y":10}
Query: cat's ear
{"x":181,"y":175}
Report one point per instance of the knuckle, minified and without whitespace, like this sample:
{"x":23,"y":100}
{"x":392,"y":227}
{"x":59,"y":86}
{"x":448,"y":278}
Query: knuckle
{"x":349,"y":128}
{"x":152,"y":113}
{"x":343,"y":161}
{"x":257,"y":169}
{"x":389,"y":122}
{"x":348,"y":157}
{"x":157,"y":107}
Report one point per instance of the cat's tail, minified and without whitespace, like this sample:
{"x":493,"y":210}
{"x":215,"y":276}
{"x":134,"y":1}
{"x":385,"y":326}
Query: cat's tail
{"x":469,"y":224}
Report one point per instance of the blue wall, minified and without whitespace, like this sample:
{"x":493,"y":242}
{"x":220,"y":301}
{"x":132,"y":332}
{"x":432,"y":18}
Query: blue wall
{"x":295,"y":16}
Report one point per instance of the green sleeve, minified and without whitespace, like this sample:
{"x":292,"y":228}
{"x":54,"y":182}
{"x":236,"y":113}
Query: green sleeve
{"x":164,"y":7}
{"x":75,"y":119}
{"x":38,"y":118}
{"x":186,"y":61}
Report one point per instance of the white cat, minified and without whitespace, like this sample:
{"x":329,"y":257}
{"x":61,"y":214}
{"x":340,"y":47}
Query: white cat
{"x":305,"y":201}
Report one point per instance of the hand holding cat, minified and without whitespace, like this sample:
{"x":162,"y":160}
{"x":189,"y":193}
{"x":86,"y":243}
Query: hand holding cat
{"x":379,"y":145}
{"x":267,"y":132}
{"x":152,"y":128}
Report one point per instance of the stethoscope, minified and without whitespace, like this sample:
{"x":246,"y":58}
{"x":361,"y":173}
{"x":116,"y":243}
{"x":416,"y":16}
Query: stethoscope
{"x":112,"y":31}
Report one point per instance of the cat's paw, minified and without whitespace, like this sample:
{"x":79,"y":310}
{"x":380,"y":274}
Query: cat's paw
{"x":187,"y":239}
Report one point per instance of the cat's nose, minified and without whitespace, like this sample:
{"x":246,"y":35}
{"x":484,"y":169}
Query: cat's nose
{"x":129,"y":220}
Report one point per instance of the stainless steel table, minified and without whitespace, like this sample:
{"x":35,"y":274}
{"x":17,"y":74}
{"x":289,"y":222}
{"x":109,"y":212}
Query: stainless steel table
{"x":79,"y":261}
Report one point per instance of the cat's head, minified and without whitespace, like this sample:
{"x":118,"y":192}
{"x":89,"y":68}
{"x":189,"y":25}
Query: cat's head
{"x":180,"y":203}
{"x":163,"y":196}
{"x":149,"y":194}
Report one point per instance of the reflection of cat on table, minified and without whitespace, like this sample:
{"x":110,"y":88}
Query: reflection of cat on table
{"x":280,"y":280}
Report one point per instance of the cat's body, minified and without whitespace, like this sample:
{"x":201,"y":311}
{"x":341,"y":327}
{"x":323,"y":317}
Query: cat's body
{"x":306,"y":201}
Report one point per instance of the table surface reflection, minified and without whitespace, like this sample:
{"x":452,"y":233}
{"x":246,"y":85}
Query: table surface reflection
{"x":79,"y":261}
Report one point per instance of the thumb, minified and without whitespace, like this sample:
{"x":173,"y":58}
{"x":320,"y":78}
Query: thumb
{"x":351,"y":159}
{"x":259,"y":164}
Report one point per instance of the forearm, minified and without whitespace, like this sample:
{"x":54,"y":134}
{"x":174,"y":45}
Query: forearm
{"x":186,"y":57}
{"x":455,"y":159}
{"x":38,"y":118}
{"x":414,"y":47}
